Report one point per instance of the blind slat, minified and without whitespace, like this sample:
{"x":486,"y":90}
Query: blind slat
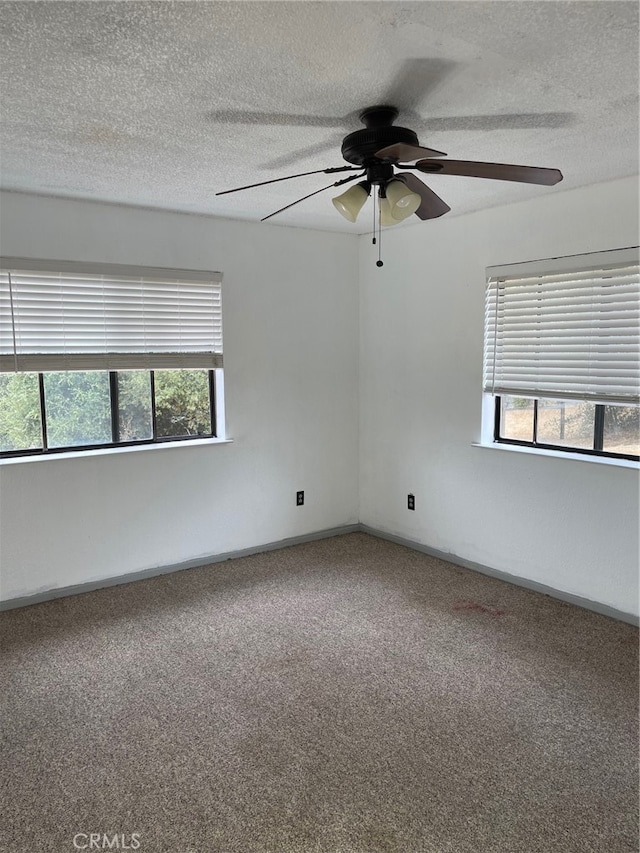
{"x":573,"y":334}
{"x":67,"y":317}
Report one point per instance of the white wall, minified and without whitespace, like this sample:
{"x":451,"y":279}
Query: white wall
{"x":290,"y":326}
{"x":572,"y":525}
{"x":291,"y":356}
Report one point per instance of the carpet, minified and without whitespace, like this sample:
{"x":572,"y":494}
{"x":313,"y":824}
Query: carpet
{"x":348,"y":695}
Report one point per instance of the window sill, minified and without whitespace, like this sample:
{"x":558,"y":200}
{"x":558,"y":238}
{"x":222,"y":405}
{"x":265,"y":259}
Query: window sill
{"x":560,"y":454}
{"x":110,"y":451}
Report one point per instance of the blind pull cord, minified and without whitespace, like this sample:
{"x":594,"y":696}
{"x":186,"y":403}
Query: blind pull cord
{"x":13,"y":325}
{"x":495,"y":343}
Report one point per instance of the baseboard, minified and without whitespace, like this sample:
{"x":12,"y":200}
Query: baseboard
{"x":90,"y":586}
{"x":570,"y":598}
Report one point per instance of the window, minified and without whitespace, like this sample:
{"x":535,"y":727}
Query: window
{"x":101,"y":356}
{"x":562,"y":350}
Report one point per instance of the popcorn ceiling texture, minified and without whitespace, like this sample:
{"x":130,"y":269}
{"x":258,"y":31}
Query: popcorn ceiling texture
{"x":162,"y":104}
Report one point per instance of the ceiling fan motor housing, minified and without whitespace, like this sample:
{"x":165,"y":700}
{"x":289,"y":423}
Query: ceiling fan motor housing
{"x":360,"y":146}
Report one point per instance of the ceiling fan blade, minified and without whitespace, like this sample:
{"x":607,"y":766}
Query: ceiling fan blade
{"x":288,"y":178}
{"x":503,"y":121}
{"x":415,"y":81}
{"x":322,"y":189}
{"x":324,"y":147}
{"x":495,"y":171}
{"x":287,"y":119}
{"x":402,"y":151}
{"x":432,"y":205}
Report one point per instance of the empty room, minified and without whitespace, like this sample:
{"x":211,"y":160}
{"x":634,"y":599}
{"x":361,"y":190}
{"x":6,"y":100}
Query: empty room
{"x":319,"y":426}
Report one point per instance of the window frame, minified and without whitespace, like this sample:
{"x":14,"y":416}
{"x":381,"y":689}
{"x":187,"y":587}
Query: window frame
{"x":598,"y":434}
{"x":214,"y":387}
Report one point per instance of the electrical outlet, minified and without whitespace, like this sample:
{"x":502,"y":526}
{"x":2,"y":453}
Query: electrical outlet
{"x":411,"y":502}
{"x":299,"y":498}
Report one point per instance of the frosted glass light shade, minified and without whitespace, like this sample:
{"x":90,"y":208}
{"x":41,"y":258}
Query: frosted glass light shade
{"x":350,"y":203}
{"x":385,"y":213}
{"x":403,"y":201}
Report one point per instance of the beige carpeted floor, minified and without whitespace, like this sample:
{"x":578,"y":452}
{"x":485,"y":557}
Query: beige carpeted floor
{"x":343,"y":696}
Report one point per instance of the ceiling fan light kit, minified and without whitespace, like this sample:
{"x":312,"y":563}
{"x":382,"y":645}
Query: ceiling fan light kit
{"x":351,"y":201}
{"x":386,"y":217}
{"x":403,"y":201}
{"x":381,"y":148}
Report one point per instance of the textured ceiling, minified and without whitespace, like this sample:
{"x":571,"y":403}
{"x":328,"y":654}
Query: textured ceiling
{"x":162,"y":104}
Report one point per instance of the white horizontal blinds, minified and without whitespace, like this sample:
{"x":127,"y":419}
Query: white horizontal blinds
{"x":108,"y":318}
{"x":566,"y":334}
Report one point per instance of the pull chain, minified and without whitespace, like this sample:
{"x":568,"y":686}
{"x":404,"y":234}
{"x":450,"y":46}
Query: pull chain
{"x":379,"y":261}
{"x":374,"y":217}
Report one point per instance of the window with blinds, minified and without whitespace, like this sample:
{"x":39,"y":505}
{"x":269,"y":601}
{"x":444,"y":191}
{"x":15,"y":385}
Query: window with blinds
{"x":566,"y":333}
{"x":107,"y":355}
{"x":562,"y":351}
{"x":56,"y":316}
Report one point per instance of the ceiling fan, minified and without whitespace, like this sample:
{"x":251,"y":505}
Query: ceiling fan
{"x":378,"y":153}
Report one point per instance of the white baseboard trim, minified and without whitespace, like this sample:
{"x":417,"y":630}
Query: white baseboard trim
{"x":90,"y":586}
{"x":570,"y":598}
